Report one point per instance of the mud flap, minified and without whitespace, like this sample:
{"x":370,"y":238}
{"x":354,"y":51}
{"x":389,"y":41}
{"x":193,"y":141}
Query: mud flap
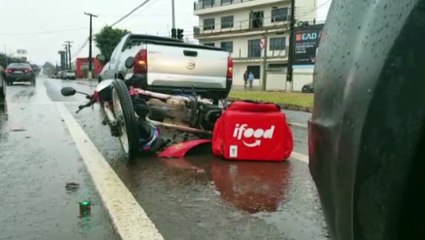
{"x":181,"y":149}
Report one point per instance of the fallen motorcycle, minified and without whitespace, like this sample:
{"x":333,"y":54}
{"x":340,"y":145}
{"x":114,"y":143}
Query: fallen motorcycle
{"x":134,"y":115}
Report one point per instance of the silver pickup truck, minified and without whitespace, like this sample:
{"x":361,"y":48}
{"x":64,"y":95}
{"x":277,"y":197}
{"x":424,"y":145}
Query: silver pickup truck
{"x":170,"y":66}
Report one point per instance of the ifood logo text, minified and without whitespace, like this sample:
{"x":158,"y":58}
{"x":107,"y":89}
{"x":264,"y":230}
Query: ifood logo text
{"x":252,"y":137}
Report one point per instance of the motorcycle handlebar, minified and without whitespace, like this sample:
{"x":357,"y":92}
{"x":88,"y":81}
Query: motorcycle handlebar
{"x":91,"y":102}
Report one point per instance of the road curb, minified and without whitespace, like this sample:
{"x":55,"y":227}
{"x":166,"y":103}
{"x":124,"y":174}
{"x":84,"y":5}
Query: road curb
{"x":282,"y":106}
{"x":128,"y":217}
{"x":292,"y":124}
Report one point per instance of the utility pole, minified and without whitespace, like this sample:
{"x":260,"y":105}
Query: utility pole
{"x":68,"y":43}
{"x":66,"y":57}
{"x":62,"y":56}
{"x":90,"y":44}
{"x":289,"y":72}
{"x":5,"y":55}
{"x":173,"y":14}
{"x":265,"y":46}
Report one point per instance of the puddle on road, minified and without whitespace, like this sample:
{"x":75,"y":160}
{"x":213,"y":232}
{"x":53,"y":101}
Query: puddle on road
{"x":24,"y":94}
{"x":249,"y":186}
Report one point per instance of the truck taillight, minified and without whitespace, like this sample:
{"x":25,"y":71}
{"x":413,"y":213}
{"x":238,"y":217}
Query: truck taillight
{"x":141,"y":62}
{"x":229,"y":69}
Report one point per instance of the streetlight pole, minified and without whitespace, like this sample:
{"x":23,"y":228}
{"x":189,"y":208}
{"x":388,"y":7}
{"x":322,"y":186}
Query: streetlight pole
{"x":173,"y":13}
{"x":5,"y":55}
{"x":66,"y":57}
{"x":90,"y":44}
{"x":289,"y":72}
{"x":68,"y":43}
{"x":265,"y":46}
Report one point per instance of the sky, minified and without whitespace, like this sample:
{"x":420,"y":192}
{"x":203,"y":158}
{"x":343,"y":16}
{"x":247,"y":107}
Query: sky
{"x":42,"y":26}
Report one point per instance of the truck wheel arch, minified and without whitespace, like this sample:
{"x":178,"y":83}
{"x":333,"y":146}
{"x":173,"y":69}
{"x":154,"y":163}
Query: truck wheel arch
{"x":391,"y":136}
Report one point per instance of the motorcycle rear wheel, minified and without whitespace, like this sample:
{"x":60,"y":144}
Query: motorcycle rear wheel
{"x":126,"y":119}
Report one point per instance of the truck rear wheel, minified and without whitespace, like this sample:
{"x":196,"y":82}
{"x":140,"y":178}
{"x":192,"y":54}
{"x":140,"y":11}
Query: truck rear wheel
{"x":126,"y":119}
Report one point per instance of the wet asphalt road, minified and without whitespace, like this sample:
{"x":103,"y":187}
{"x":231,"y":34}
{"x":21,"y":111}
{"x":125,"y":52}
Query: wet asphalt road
{"x":199,"y":197}
{"x":37,"y":159}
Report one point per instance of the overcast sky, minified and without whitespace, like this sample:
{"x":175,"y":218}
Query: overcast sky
{"x":42,"y":26}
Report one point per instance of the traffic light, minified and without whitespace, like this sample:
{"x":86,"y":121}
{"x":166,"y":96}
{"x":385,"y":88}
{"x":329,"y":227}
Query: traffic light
{"x":173,"y":33}
{"x":180,"y":34}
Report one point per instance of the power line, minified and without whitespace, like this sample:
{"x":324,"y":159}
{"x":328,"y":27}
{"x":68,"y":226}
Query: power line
{"x":45,"y":32}
{"x":118,"y":21}
{"x":115,"y":23}
{"x":316,"y":8}
{"x":131,"y":12}
{"x":81,"y":48}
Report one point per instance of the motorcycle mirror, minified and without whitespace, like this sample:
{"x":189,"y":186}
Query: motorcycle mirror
{"x":129,"y":63}
{"x":68,"y":91}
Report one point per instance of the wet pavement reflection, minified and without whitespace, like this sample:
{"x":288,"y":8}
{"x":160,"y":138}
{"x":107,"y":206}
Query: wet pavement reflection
{"x":250,"y":186}
{"x":253,"y":187}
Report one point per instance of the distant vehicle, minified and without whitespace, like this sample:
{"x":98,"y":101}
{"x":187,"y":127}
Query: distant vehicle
{"x":308,"y":88}
{"x":170,"y":66}
{"x":35,"y":68}
{"x":70,"y":74}
{"x":2,"y":85}
{"x":59,"y":75}
{"x":19,"y":72}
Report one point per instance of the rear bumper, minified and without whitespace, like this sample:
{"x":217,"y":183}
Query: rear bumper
{"x":19,"y":78}
{"x":140,"y":81}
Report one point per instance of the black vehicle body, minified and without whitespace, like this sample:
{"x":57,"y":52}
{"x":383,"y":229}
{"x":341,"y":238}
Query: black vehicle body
{"x":308,"y":88}
{"x":367,"y":135}
{"x":2,"y":85}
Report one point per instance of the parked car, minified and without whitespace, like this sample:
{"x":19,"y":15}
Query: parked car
{"x":60,"y":75}
{"x":19,"y":72}
{"x":36,"y":69}
{"x":70,"y":74}
{"x":308,"y":88}
{"x":170,"y":66}
{"x":2,"y":85}
{"x":367,"y":132}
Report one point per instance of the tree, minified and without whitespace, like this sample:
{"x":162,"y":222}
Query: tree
{"x":5,"y":60}
{"x":48,"y":69}
{"x":108,"y":39}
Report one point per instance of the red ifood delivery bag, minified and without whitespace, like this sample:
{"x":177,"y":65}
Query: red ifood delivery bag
{"x":252,"y":131}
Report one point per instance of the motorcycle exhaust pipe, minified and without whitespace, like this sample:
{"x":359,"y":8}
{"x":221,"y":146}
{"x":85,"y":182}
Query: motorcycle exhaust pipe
{"x":180,"y":128}
{"x":167,"y":96}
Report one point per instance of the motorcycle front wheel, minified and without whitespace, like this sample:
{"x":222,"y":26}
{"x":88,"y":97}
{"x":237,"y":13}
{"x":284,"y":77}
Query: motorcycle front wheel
{"x":126,"y":119}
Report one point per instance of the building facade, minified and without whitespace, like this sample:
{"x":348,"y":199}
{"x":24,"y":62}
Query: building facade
{"x":255,"y":32}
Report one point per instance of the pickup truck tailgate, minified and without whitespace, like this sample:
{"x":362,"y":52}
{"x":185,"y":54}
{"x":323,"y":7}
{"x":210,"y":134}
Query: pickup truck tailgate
{"x":186,"y":67}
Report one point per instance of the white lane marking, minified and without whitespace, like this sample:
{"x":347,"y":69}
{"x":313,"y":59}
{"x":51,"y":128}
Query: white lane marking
{"x":128,"y":217}
{"x":297,"y":125}
{"x":299,"y":156}
{"x":44,"y":103}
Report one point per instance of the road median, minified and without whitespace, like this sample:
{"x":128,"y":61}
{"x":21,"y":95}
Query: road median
{"x":286,"y":100}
